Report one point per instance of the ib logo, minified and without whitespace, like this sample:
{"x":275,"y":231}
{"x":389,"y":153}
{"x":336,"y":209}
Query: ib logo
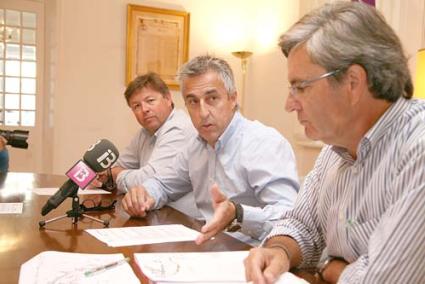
{"x":81,"y":174}
{"x":107,"y":159}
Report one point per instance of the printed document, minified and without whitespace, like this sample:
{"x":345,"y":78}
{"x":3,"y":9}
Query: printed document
{"x":200,"y":267}
{"x":66,"y":267}
{"x":11,"y":208}
{"x":131,"y":236}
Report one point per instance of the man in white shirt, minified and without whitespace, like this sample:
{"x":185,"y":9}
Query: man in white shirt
{"x":164,"y":132}
{"x":242,"y":173}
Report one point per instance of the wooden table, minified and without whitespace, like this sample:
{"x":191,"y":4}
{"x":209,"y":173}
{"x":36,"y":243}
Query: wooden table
{"x":21,"y":238}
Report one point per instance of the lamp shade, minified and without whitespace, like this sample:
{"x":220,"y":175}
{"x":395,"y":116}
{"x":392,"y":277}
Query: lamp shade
{"x":420,"y":75}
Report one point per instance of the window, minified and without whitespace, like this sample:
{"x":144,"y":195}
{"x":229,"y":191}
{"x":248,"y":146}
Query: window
{"x":18,"y":68}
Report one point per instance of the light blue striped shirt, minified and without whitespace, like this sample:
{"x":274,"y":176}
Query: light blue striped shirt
{"x":252,"y":164}
{"x":369,"y":211}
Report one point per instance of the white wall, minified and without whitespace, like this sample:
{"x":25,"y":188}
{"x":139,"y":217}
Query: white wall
{"x":85,"y":67}
{"x":86,"y":59}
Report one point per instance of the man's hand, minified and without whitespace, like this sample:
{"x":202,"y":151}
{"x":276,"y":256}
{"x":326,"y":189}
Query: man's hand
{"x":137,"y":202}
{"x":265,"y":265}
{"x":100,"y":179}
{"x":224,"y":213}
{"x":333,"y":270}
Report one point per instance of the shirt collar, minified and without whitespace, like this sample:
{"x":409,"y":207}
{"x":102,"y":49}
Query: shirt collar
{"x":386,"y":120}
{"x":228,"y":132}
{"x":161,"y":128}
{"x":375,"y":133}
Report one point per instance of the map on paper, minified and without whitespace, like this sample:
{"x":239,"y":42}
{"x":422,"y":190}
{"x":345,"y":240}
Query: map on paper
{"x":131,"y":236}
{"x":200,"y":267}
{"x":11,"y":208}
{"x":51,"y":267}
{"x":53,"y":190}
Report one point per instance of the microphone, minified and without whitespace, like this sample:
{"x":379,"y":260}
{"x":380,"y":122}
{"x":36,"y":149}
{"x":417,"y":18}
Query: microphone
{"x":99,"y":157}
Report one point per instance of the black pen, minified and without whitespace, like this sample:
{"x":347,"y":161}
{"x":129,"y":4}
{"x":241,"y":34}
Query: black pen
{"x":105,"y":267}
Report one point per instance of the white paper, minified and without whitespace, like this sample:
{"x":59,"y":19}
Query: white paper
{"x":11,"y":208}
{"x":200,"y":267}
{"x":130,"y":236}
{"x":53,"y":190}
{"x":65,"y":267}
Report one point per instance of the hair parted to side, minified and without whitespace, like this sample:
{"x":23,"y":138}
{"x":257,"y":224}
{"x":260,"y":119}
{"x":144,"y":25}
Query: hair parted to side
{"x":204,"y":63}
{"x":340,"y":34}
{"x":149,"y":80}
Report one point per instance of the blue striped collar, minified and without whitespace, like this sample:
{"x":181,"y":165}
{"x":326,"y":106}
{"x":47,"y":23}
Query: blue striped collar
{"x":376,"y":132}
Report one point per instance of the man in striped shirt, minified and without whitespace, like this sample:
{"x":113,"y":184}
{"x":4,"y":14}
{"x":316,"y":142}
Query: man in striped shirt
{"x":364,"y":200}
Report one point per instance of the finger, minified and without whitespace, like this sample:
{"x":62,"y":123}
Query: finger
{"x":147,"y":201}
{"x":141,"y":201}
{"x":202,"y":238}
{"x":277,"y":265}
{"x":140,"y":197}
{"x":270,"y":277}
{"x":254,"y":264}
{"x":211,"y":225}
{"x":217,"y":195}
{"x":95,"y":183}
{"x":126,"y":203}
{"x":132,"y":202}
{"x":150,"y":202}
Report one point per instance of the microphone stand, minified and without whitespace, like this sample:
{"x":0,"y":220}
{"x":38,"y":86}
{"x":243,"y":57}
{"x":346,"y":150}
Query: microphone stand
{"x":75,"y":213}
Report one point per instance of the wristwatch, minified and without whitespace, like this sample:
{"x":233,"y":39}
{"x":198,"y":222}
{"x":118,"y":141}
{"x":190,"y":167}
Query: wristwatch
{"x":236,"y":223}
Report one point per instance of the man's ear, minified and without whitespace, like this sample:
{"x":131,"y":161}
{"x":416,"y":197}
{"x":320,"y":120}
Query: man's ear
{"x":168,"y":97}
{"x":356,"y":80}
{"x":234,"y":98}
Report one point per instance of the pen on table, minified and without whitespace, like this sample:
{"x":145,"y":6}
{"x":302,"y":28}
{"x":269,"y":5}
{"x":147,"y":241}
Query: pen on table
{"x":107,"y":266}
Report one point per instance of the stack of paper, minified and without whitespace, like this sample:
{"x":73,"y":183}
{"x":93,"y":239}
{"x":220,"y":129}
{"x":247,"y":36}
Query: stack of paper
{"x":64,"y":267}
{"x":131,"y":236}
{"x":202,"y":267}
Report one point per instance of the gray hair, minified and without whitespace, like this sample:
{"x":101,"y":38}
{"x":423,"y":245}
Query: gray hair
{"x":340,"y":34}
{"x":204,"y":63}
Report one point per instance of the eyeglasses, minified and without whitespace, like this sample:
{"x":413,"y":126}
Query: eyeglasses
{"x":102,"y":205}
{"x":299,"y":87}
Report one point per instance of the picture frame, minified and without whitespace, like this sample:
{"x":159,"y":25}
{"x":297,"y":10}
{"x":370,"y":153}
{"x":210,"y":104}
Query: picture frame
{"x":157,"y":41}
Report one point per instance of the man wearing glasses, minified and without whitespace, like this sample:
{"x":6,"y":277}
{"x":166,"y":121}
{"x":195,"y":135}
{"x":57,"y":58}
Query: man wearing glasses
{"x":242,"y":173}
{"x":364,"y":200}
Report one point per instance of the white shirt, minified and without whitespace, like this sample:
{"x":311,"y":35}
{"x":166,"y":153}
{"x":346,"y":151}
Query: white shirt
{"x":252,"y":164}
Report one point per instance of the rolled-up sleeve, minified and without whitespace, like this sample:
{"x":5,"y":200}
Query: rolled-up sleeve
{"x":271,"y":173}
{"x":166,"y":147}
{"x":171,"y":183}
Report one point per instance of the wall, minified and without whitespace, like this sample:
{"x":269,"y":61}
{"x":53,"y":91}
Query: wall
{"x":86,"y":57}
{"x":85,"y":67}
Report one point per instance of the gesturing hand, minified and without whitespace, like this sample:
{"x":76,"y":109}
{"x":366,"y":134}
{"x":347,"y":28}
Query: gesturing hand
{"x":224,"y":213}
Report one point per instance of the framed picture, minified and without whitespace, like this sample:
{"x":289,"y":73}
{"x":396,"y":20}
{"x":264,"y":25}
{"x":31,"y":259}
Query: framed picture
{"x":157,"y":41}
